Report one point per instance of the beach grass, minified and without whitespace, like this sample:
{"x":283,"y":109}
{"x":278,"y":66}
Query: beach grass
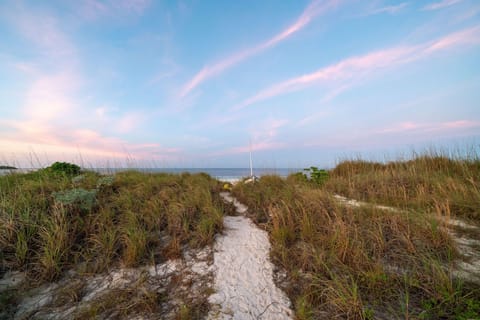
{"x":342,"y":260}
{"x":432,"y":181}
{"x":365,"y":262}
{"x":52,"y":222}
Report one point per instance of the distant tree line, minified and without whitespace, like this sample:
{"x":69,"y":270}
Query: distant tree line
{"x":7,"y":168}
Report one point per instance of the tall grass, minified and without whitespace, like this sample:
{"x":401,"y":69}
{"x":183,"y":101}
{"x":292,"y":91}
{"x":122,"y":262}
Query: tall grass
{"x":430,"y":182}
{"x":53,"y":222}
{"x":365,"y":262}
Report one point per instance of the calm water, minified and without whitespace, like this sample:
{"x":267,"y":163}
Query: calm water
{"x":224,"y":174}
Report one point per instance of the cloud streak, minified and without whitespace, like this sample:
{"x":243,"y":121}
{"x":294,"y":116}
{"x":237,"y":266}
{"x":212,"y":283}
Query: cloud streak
{"x":361,"y":66}
{"x":95,"y":9}
{"x":411,"y":126}
{"x":440,"y":4}
{"x":317,"y":7}
{"x":390,"y":9}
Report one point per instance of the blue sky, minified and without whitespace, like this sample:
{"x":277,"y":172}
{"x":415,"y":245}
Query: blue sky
{"x":191,"y":83}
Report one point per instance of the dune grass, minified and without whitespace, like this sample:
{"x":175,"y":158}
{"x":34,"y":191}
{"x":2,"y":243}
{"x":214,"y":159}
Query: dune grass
{"x":341,"y":261}
{"x":51,"y":222}
{"x":364,"y":262}
{"x":431,"y":182}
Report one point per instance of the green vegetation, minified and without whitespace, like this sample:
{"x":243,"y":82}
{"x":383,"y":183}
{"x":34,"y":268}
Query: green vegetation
{"x":315,"y":175}
{"x":7,"y":168}
{"x":432,"y":183}
{"x":52,"y":221}
{"x":342,"y":261}
{"x":65,"y":168}
{"x":365,"y":262}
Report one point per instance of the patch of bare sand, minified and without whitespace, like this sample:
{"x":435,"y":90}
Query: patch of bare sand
{"x":186,"y":278}
{"x":244,"y":283}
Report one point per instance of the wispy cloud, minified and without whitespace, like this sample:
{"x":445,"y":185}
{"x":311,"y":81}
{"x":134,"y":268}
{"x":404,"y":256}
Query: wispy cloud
{"x":440,"y":4}
{"x":263,"y":137}
{"x":257,"y":146}
{"x":95,"y":9}
{"x":311,"y":118}
{"x":393,"y":9}
{"x":315,"y":8}
{"x":411,"y":126}
{"x":359,"y":67}
{"x":268,"y":129}
{"x":44,"y":31}
{"x":399,"y":134}
{"x":51,"y":108}
{"x":52,"y":70}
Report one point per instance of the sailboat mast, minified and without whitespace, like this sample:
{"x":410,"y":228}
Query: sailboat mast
{"x":251,"y":164}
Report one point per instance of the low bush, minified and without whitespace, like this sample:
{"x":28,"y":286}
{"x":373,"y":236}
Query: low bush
{"x":66,"y":168}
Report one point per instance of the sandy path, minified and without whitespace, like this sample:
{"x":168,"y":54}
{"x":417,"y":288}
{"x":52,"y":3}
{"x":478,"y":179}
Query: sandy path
{"x":244,"y":274}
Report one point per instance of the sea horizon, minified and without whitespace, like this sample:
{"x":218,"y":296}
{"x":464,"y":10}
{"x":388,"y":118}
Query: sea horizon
{"x":224,"y":174}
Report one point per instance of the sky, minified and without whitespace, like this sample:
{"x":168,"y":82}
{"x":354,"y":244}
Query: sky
{"x":190,"y":83}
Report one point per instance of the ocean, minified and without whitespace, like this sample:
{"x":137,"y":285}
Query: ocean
{"x":223,"y":174}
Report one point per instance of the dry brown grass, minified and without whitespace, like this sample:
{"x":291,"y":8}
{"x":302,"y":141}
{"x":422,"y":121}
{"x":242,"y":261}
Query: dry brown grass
{"x":135,"y":219}
{"x":357,"y":262}
{"x":428,"y":182}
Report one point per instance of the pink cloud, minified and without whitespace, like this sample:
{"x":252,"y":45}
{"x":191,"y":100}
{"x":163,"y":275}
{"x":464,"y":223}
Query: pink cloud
{"x":128,"y":122}
{"x":461,"y":124}
{"x":263,"y":138}
{"x":68,"y":144}
{"x":51,"y":96}
{"x":469,"y":36}
{"x":411,"y":126}
{"x":345,"y":71}
{"x":316,"y":8}
{"x":54,"y":74}
{"x":342,"y":71}
{"x":52,"y":105}
{"x":258,"y":146}
{"x":396,"y":134}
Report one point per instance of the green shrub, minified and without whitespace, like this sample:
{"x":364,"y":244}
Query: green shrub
{"x":66,"y":168}
{"x":317,"y":176}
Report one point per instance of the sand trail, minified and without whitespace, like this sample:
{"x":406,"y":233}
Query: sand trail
{"x":244,"y":274}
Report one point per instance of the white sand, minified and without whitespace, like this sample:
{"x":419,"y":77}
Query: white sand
{"x":356,"y":203}
{"x":469,"y":248}
{"x":193,"y":269}
{"x":244,"y":274}
{"x":12,"y":279}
